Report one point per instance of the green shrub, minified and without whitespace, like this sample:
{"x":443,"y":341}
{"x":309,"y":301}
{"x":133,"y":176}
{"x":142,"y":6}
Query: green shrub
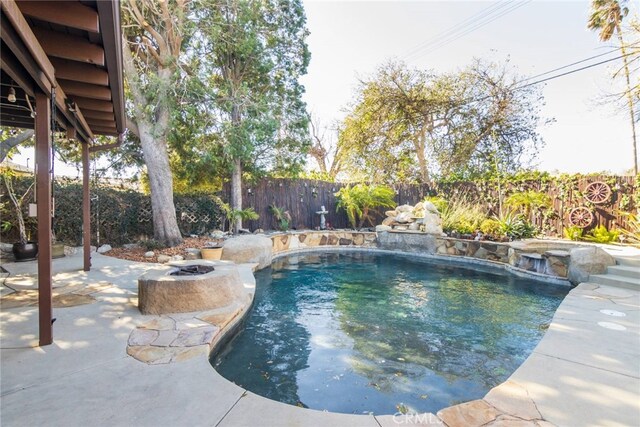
{"x":357,"y":201}
{"x":527,"y":201}
{"x":600,"y":234}
{"x":282,"y":216}
{"x":632,"y":234}
{"x":515,"y":226}
{"x":462,"y":216}
{"x":491,"y":227}
{"x":573,"y":233}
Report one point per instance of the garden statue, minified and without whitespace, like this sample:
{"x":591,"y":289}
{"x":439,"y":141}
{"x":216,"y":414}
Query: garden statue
{"x":322,"y":212}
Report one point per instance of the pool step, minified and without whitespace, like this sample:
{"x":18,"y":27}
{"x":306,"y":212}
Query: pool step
{"x":616,"y":281}
{"x":624,"y":270}
{"x":625,"y":274}
{"x":628,"y":261}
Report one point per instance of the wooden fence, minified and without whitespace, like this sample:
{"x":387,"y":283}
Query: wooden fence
{"x":303,"y":198}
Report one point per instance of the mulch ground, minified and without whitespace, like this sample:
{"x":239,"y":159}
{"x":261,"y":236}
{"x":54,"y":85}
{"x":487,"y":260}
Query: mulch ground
{"x":137,"y":254}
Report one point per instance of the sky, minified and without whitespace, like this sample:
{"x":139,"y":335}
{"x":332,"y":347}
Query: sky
{"x":349,"y":40}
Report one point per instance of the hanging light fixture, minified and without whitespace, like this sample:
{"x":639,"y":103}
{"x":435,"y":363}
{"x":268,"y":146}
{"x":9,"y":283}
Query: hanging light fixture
{"x":12,"y":95}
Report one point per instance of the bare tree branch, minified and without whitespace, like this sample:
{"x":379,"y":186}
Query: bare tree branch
{"x":14,"y":141}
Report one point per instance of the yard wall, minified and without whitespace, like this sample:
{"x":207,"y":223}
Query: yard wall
{"x":122,"y":215}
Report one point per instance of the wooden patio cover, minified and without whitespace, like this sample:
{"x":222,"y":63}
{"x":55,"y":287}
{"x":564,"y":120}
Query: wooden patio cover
{"x":60,"y":60}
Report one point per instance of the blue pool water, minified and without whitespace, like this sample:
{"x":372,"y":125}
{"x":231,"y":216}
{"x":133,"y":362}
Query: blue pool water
{"x":360,"y":332}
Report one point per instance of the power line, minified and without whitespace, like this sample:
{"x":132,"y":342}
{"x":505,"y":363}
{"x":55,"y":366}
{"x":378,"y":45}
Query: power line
{"x":570,"y":65}
{"x":568,"y":72}
{"x":470,"y":28}
{"x":473,"y":28}
{"x":489,"y":10}
{"x":517,"y":87}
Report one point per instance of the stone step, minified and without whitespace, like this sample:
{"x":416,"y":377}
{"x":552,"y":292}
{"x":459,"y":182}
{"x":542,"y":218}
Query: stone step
{"x":615,"y":281}
{"x":633,"y":261}
{"x":624,"y":270}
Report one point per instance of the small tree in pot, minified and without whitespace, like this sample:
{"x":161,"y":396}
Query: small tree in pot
{"x":23,"y":249}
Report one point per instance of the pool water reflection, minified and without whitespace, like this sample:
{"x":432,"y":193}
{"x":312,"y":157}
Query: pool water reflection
{"x":362,"y":332}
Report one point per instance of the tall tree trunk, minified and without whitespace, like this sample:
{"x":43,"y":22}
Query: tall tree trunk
{"x":629,"y":102}
{"x":236,"y":175}
{"x":236,"y":192}
{"x":420,"y":145}
{"x":152,"y":132}
{"x":154,"y":150}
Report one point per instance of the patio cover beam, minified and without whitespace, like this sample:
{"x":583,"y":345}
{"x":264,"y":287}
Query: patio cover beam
{"x":71,"y":14}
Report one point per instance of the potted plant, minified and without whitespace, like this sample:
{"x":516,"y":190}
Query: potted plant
{"x":24,"y":249}
{"x":212,"y":252}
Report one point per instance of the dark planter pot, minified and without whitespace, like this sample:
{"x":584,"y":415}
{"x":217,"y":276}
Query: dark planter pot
{"x":25,"y":251}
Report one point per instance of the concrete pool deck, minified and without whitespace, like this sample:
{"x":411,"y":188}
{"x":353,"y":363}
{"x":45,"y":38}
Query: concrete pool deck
{"x":584,"y":372}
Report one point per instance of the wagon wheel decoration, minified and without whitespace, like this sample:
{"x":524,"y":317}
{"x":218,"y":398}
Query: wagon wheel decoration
{"x":597,"y":192}
{"x":581,"y":217}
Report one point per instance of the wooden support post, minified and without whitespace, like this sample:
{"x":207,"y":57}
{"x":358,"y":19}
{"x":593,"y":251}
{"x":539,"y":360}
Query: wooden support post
{"x":86,"y":208}
{"x":43,"y":192}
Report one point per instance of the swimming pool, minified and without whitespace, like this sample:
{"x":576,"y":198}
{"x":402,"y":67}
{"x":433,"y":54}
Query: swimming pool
{"x":361,"y":332}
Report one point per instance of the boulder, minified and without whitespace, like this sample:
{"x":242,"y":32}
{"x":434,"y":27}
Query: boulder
{"x":163,"y":259}
{"x":380,"y":228}
{"x":404,"y":208}
{"x":251,"y":248}
{"x":217,"y":234}
{"x":419,"y":206}
{"x":177,"y":258}
{"x":430,"y":207}
{"x":432,"y":223}
{"x":104,"y":248}
{"x":414,"y":226}
{"x":6,"y":250}
{"x":404,"y":217}
{"x":149,"y":254}
{"x":586,"y":261}
{"x":391,"y":214}
{"x":388,"y":221}
{"x":70,"y":250}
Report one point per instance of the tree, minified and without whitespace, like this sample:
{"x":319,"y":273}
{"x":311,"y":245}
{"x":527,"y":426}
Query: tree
{"x":155,"y":35}
{"x":409,"y":124}
{"x":258,"y":52}
{"x":324,"y":151}
{"x":606,"y":18}
{"x":13,"y":140}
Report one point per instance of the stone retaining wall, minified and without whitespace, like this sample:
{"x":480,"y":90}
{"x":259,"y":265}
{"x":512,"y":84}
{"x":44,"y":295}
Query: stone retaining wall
{"x":312,"y":239}
{"x":556,"y":259}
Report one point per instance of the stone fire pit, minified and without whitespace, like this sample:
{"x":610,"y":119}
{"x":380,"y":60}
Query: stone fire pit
{"x":189,"y":287}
